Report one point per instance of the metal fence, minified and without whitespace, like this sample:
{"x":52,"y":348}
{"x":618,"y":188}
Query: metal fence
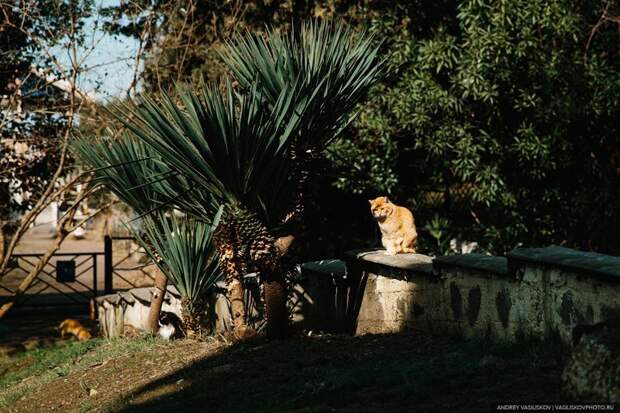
{"x":122,"y":271}
{"x":75,"y":278}
{"x":69,"y":278}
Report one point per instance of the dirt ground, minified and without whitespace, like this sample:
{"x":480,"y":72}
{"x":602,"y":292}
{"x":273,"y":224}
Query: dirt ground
{"x":303,"y":374}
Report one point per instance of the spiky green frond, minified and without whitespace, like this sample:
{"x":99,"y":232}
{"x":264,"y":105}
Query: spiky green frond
{"x":127,"y":167}
{"x":298,"y":92}
{"x":188,"y":255}
{"x":226,"y":144}
{"x":331,"y":67}
{"x":134,"y":172}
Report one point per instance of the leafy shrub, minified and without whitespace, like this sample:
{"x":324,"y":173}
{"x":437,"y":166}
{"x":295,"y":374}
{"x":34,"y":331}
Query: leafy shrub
{"x":502,"y":117}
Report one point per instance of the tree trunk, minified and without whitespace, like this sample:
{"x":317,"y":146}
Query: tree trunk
{"x":276,"y":292}
{"x":159,"y":291}
{"x":192,"y":318}
{"x":236,"y":294}
{"x":233,"y":269}
{"x":276,"y":312}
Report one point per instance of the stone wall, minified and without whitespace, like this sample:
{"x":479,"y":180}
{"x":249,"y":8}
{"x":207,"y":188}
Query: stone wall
{"x":319,"y":302}
{"x":531,"y":291}
{"x":534,"y":291}
{"x":574,"y":287}
{"x":127,"y":310}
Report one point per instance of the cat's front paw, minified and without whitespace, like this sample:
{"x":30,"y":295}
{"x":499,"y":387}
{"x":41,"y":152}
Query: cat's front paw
{"x":390,"y":252}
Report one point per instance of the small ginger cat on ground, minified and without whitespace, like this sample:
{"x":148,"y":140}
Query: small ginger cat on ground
{"x":398,"y":232}
{"x":73,"y":327}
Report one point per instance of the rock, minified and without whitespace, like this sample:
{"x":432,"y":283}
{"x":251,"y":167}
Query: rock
{"x":592,"y":372}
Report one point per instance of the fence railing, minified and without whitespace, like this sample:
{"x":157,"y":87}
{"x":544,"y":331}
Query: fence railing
{"x":69,"y":278}
{"x":74,"y":278}
{"x":123,"y":269}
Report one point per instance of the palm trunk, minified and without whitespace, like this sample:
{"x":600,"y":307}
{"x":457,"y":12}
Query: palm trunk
{"x":192,"y":318}
{"x":275,"y":284}
{"x":276,"y":312}
{"x":236,"y":294}
{"x":232,"y":268}
{"x":159,"y":291}
{"x":276,"y":292}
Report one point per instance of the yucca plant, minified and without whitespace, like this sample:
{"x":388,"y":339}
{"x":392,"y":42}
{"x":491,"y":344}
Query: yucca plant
{"x":247,"y":150}
{"x":124,"y":167}
{"x":183,"y":249}
{"x":327,"y":69}
{"x":233,"y":150}
{"x":133,"y":171}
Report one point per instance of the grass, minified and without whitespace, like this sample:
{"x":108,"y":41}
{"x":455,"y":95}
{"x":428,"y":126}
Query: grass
{"x":22,"y":373}
{"x":384,"y":373}
{"x":370,"y":373}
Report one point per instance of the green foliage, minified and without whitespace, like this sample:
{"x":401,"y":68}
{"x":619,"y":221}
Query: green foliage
{"x":439,"y":230}
{"x":129,"y":169}
{"x":184,"y":250}
{"x":228,"y":145}
{"x":328,"y":73}
{"x":499,"y":119}
{"x":499,"y":116}
{"x":184,"y":40}
{"x":244,"y":148}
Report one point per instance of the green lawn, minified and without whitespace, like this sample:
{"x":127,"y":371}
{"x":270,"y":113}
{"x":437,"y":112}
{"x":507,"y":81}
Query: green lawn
{"x":24,"y":373}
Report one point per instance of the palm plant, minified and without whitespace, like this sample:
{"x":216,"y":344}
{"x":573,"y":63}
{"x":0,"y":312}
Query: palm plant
{"x":233,"y":151}
{"x":128,"y":168}
{"x":328,"y":72}
{"x":183,"y":249}
{"x":248,"y":151}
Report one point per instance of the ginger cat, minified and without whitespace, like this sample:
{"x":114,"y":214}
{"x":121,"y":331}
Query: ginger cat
{"x":73,"y":327}
{"x":398,"y":232}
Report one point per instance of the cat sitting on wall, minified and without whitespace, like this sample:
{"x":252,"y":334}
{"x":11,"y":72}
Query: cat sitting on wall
{"x":398,"y":232}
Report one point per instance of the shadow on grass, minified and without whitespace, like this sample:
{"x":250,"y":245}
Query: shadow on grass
{"x":370,"y":373}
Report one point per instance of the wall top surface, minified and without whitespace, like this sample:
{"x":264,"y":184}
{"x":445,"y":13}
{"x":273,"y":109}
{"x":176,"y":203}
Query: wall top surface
{"x":580,"y":261}
{"x":487,"y":263}
{"x":411,"y":262}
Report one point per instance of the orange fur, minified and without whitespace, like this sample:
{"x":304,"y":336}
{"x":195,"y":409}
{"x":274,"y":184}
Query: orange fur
{"x":398,"y":231}
{"x":73,"y":327}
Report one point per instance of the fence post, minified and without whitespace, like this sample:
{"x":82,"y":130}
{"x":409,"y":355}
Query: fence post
{"x":107,"y":264}
{"x":94,"y":258}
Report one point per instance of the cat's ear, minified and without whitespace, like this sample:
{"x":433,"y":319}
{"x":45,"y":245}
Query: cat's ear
{"x":387,"y":200}
{"x":370,"y":201}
